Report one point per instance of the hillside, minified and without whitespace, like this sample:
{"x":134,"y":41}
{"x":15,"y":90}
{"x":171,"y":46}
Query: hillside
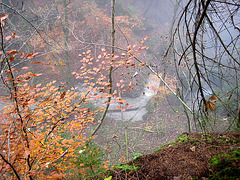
{"x":209,"y":156}
{"x":119,"y":89}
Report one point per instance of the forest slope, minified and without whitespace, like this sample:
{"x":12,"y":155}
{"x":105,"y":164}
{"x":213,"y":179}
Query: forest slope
{"x":212,"y":156}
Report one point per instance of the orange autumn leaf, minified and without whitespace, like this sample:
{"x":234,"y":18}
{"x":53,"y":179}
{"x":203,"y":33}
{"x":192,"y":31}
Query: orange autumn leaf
{"x":12,"y":52}
{"x":36,"y":62}
{"x":61,"y":63}
{"x":25,"y":67}
{"x":38,"y":74}
{"x":142,"y":63}
{"x":109,"y":95}
{"x":12,"y":36}
{"x":33,"y":75}
{"x":31,"y":55}
{"x":144,"y":39}
{"x":22,"y":55}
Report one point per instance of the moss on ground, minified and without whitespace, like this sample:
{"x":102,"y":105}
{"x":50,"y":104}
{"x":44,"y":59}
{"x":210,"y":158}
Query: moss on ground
{"x":225,"y":166}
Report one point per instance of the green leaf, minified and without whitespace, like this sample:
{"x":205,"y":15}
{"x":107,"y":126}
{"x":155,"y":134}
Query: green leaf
{"x":109,"y":178}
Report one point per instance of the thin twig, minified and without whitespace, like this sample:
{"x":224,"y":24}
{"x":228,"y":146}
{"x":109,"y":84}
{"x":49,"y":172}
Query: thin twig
{"x":14,"y":170}
{"x":110,"y":71}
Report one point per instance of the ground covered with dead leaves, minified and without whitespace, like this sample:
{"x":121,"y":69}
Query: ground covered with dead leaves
{"x":199,"y":156}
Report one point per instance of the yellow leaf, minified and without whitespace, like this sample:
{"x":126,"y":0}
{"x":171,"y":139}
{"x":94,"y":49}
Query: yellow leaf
{"x":109,"y":178}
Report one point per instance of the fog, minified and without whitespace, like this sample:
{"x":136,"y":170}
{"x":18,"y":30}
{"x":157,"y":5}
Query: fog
{"x":70,"y":42}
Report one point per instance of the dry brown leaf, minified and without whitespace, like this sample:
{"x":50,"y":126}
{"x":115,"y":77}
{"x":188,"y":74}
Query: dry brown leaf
{"x":211,"y":103}
{"x":193,"y":148}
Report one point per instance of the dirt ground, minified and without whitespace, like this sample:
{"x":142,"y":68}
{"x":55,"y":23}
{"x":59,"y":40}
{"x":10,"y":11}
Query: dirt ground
{"x":186,"y":158}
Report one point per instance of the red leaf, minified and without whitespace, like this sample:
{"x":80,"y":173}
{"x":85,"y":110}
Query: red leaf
{"x":36,"y":62}
{"x":11,"y":58}
{"x":62,"y":95}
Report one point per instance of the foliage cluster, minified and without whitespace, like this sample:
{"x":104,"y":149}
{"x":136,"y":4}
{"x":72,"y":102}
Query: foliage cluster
{"x":43,"y":125}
